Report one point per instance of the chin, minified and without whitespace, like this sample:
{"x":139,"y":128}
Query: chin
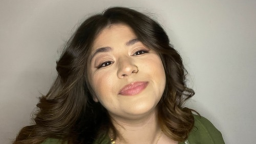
{"x":141,"y":110}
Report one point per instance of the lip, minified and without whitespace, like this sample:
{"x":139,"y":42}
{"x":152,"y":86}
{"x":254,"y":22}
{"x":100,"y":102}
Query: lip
{"x":133,"y":88}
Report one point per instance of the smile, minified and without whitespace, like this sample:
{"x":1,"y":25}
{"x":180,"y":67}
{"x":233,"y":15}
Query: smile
{"x":133,"y":88}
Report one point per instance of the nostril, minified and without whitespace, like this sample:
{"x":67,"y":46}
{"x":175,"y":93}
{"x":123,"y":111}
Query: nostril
{"x":136,"y":70}
{"x":128,"y":70}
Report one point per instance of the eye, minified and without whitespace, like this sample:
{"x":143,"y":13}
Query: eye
{"x":104,"y":64}
{"x":140,"y":52}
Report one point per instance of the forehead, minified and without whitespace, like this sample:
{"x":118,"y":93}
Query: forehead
{"x":115,"y":33}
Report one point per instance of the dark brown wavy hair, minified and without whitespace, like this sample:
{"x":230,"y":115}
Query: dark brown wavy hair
{"x":68,"y":111}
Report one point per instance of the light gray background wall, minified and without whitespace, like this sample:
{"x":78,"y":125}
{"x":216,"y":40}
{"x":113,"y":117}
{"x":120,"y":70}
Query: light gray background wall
{"x":215,"y":38}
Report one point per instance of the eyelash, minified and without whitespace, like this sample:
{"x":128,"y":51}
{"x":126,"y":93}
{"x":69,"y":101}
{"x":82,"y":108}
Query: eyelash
{"x":143,"y":52}
{"x":107,"y":63}
{"x":104,"y":64}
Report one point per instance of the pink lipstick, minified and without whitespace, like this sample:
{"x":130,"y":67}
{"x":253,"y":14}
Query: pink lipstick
{"x":133,"y":88}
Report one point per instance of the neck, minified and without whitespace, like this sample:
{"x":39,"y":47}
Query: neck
{"x":137,"y":131}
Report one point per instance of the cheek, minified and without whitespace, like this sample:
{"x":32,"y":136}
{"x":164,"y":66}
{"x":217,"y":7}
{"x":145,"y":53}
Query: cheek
{"x":157,"y":72}
{"x":155,"y":66}
{"x":102,"y":84}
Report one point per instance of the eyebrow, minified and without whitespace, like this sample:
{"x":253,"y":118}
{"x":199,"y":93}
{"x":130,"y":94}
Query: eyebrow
{"x":107,"y":49}
{"x":99,"y":50}
{"x":132,"y":41}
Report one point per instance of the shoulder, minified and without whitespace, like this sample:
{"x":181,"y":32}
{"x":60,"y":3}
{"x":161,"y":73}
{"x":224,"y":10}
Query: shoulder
{"x":52,"y":141}
{"x":205,"y":132}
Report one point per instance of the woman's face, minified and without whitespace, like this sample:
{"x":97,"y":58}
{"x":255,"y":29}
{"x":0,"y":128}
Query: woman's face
{"x":127,"y":77}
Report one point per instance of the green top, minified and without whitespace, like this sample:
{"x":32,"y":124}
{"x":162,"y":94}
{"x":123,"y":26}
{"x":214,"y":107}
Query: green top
{"x":203,"y":132}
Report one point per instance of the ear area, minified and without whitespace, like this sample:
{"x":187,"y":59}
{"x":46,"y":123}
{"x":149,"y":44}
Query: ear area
{"x":95,"y":99}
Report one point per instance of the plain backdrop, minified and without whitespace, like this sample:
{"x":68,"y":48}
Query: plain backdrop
{"x":216,"y":39}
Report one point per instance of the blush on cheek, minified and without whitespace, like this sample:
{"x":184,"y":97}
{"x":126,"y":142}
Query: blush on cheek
{"x":102,"y":84}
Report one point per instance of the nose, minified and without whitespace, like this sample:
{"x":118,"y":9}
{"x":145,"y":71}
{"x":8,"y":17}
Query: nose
{"x":126,"y":68}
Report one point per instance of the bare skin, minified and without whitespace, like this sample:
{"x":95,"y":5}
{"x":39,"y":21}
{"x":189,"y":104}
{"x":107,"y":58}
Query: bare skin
{"x":141,"y":131}
{"x":119,"y":59}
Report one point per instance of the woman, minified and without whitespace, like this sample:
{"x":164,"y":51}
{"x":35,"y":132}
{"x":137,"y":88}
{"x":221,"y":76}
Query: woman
{"x":119,"y":81}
